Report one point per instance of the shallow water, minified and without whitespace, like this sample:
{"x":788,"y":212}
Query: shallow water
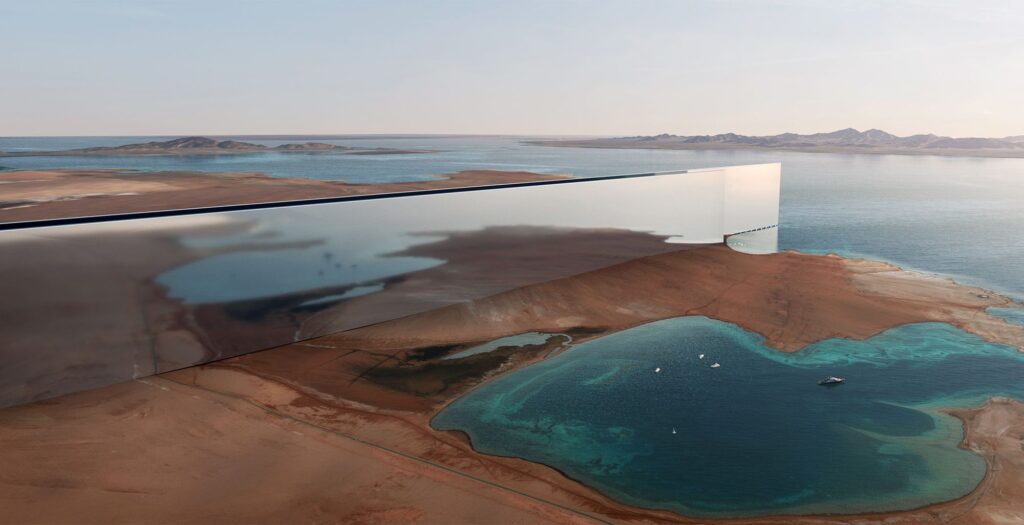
{"x":518,"y":340}
{"x":1013,"y":315}
{"x":757,"y":435}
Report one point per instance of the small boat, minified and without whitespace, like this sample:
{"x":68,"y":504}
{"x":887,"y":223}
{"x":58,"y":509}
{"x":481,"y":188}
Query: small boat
{"x":700,"y":356}
{"x":716,"y":365}
{"x":674,"y":430}
{"x":657,"y":370}
{"x":831,"y":380}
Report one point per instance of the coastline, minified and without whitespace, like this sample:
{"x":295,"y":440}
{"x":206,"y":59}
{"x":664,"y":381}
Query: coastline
{"x":982,"y":425}
{"x":974,"y":439}
{"x":276,"y":435}
{"x":262,"y":365}
{"x":394,"y":440}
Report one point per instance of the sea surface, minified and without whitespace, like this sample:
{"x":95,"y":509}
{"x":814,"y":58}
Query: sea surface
{"x":756,"y":435}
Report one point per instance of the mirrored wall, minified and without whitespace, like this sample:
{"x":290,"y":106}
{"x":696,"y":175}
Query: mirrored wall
{"x":85,"y":305}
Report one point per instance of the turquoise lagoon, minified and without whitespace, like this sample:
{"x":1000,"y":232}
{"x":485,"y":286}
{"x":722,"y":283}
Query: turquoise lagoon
{"x":756,"y":435}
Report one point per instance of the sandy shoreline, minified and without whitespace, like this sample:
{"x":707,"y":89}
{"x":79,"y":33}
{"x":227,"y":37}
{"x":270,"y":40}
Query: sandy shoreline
{"x":208,"y":426}
{"x":337,"y":428}
{"x":879,"y":282}
{"x":313,"y":409}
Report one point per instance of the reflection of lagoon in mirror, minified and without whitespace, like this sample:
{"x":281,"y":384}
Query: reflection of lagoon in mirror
{"x":289,"y":251}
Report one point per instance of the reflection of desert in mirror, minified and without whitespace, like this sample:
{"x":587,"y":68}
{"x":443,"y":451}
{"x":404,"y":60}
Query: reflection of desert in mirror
{"x":511,"y":263}
{"x":207,"y":286}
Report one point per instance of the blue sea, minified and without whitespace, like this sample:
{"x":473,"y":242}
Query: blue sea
{"x":756,"y":435}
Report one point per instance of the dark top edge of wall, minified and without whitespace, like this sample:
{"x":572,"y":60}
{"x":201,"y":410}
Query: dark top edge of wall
{"x":21,"y":225}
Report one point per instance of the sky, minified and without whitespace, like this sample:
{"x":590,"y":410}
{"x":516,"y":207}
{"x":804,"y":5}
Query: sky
{"x":562,"y":67}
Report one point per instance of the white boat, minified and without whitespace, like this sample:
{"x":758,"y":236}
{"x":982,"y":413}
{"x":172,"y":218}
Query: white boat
{"x":831,"y":380}
{"x":674,"y":430}
{"x":700,"y":356}
{"x":716,"y":365}
{"x":657,"y":370}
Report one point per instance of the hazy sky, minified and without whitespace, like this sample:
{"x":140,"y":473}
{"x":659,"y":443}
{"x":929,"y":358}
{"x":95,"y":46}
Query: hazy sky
{"x":553,"y":67}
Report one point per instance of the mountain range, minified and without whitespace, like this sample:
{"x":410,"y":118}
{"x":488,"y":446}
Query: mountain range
{"x":844,"y":140}
{"x":208,"y":146}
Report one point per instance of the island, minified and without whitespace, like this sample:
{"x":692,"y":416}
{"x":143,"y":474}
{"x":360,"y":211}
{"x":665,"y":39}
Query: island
{"x":849,"y":140}
{"x":209,"y":146}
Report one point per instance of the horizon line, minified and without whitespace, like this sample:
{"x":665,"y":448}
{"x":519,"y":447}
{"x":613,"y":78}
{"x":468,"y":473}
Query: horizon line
{"x":399,"y":135}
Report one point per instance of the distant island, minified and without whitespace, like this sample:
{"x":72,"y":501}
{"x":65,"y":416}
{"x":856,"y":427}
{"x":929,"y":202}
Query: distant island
{"x":208,"y":146}
{"x":847,"y":140}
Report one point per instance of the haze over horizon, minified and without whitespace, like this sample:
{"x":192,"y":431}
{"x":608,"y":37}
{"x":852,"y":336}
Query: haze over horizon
{"x":109,"y":67}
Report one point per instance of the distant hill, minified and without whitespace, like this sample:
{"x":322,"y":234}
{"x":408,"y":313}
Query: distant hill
{"x":847,"y":140}
{"x":208,"y":146}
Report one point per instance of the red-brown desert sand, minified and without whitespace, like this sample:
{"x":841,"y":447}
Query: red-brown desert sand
{"x":336,"y":429}
{"x":47,"y":194}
